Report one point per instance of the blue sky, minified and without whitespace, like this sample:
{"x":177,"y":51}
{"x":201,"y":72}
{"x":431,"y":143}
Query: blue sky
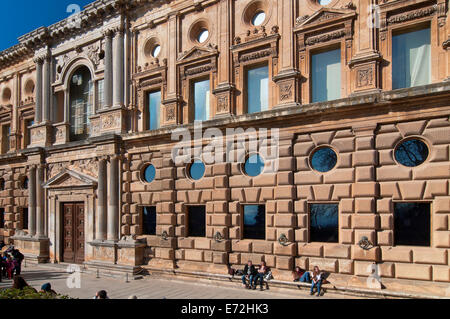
{"x":22,"y":16}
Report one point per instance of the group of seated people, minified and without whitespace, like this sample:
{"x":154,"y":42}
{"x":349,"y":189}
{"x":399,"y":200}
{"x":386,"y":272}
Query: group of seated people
{"x":20,"y":283}
{"x":252,"y":275}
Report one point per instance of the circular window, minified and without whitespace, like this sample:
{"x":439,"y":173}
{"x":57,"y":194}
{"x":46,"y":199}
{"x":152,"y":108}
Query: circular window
{"x":152,"y":48}
{"x":197,"y":170}
{"x":412,"y":152}
{"x":156,"y":51}
{"x":254,"y":166}
{"x":24,"y":183}
{"x":259,"y":18}
{"x":149,"y":173}
{"x":324,"y":2}
{"x":324,"y":159}
{"x":203,"y":36}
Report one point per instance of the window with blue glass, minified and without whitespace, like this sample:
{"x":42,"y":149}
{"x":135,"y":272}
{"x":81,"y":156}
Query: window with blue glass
{"x":324,"y":159}
{"x":255,"y":222}
{"x":196,"y":221}
{"x":197,"y":170}
{"x":201,"y":91}
{"x":326,"y":76}
{"x":257,"y":89}
{"x":154,"y":110}
{"x":411,"y":153}
{"x":149,"y":173}
{"x":254,"y":166}
{"x":411,"y":59}
{"x":412,"y":224}
{"x":149,"y":220}
{"x":324,"y":223}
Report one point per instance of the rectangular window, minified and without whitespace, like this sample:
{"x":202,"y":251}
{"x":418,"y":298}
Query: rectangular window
{"x":24,"y":218}
{"x":258,"y":89}
{"x":28,"y":123}
{"x":100,"y":94}
{"x":255,"y":222}
{"x":411,"y":59}
{"x":412,"y":224}
{"x":197,"y":221}
{"x":201,"y":90}
{"x":149,"y":220}
{"x":324,"y":223}
{"x":326,"y":76}
{"x":154,"y":110}
{"x":2,"y":218}
{"x":6,"y":132}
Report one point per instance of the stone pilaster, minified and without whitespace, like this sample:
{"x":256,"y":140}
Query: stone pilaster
{"x":288,"y":82}
{"x":102,"y":199}
{"x":32,"y":201}
{"x":113,"y":205}
{"x":225,"y":94}
{"x":108,"y":68}
{"x":119,"y":67}
{"x":46,"y":90}
{"x":40,"y":203}
{"x":38,"y":109}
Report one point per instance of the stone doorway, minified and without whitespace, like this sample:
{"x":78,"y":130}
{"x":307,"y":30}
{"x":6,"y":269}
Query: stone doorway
{"x":73,"y":233}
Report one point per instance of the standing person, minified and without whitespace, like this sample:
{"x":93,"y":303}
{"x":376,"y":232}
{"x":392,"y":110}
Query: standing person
{"x":262,"y":271}
{"x":249,"y":272}
{"x":10,"y":265}
{"x":316,"y":281}
{"x":2,"y":244}
{"x":19,"y":257}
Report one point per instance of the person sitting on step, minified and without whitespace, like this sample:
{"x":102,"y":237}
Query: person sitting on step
{"x":301,"y":275}
{"x":316,"y":281}
{"x":249,"y":273}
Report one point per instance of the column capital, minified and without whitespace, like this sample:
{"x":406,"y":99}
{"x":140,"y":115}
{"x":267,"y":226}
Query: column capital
{"x":38,"y":60}
{"x":109,"y":33}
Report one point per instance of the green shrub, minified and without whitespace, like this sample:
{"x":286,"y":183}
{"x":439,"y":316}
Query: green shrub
{"x":28,"y":293}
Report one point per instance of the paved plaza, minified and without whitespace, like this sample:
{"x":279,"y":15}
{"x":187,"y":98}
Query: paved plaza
{"x":151,"y":288}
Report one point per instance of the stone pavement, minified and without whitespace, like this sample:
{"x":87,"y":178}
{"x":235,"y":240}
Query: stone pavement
{"x":152,"y":288}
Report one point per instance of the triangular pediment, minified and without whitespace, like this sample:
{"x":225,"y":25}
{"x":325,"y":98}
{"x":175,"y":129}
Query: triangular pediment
{"x":68,"y":178}
{"x":324,"y":15}
{"x":197,"y":52}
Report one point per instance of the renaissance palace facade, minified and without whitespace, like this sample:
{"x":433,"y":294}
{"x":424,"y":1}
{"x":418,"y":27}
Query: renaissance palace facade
{"x":359,"y":94}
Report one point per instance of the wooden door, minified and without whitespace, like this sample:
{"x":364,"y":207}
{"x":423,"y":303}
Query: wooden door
{"x":73,"y":236}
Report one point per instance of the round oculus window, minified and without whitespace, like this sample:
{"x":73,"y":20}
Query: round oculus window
{"x":324,"y":159}
{"x":412,"y":152}
{"x":254,"y":166}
